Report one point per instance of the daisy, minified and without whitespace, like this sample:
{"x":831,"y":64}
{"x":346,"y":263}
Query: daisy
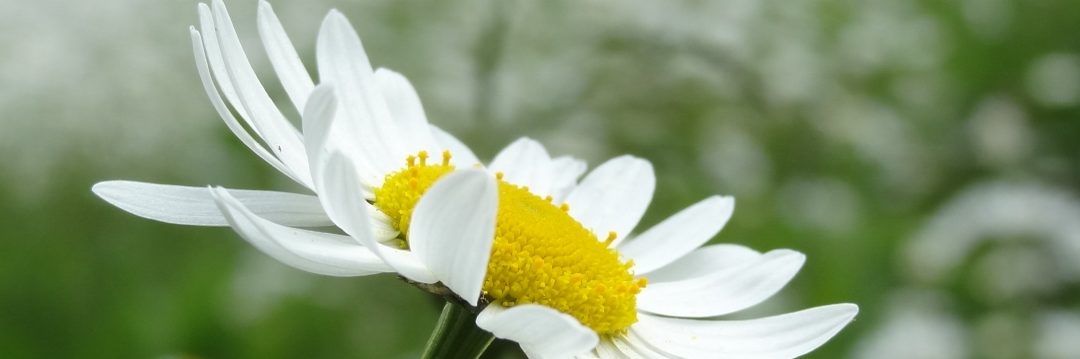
{"x":520,"y":245}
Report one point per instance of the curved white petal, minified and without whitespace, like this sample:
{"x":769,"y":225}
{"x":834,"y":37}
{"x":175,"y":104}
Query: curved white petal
{"x":705,"y":261}
{"x":279,"y":134}
{"x":322,"y":140}
{"x":283,"y":57}
{"x":564,"y":173}
{"x":194,"y":206}
{"x":452,"y":228}
{"x":524,"y":162}
{"x":723,"y":292}
{"x":217,"y":64}
{"x":542,"y":332}
{"x":679,"y":234}
{"x":318,"y":119}
{"x":405,"y":108}
{"x":340,"y":189}
{"x":363,"y":122}
{"x":614,"y":196}
{"x":463,"y":157}
{"x":223,"y":111}
{"x":316,"y":252}
{"x":782,"y":336}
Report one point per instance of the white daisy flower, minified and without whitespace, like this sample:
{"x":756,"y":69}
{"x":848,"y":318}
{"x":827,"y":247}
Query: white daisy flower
{"x":546,"y":261}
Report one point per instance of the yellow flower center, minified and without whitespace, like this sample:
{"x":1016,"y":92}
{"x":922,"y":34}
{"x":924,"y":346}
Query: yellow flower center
{"x":540,"y":254}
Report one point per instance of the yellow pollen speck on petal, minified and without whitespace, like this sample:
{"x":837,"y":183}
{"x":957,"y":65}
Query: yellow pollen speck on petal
{"x":540,"y":254}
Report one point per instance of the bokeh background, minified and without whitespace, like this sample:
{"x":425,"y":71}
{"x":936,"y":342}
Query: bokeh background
{"x":924,"y":154}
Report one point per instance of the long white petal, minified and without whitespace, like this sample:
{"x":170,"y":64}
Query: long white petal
{"x":452,"y":229}
{"x":217,"y":63}
{"x":280,"y":135}
{"x":724,"y":292}
{"x":345,"y":204}
{"x":363,"y":118}
{"x":564,"y":173}
{"x":318,"y":119}
{"x":322,"y":139}
{"x":704,"y":261}
{"x":782,"y":336}
{"x":463,"y":157}
{"x":316,"y":252}
{"x":283,"y":57}
{"x":223,"y":111}
{"x":525,"y":163}
{"x":405,"y":108}
{"x":614,"y":196}
{"x":679,"y":234}
{"x":194,"y":206}
{"x":542,"y":332}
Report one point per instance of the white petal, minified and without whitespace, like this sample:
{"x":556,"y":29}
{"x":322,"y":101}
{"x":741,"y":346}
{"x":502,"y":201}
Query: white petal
{"x":194,"y":206}
{"x":542,"y":332}
{"x":631,"y":346}
{"x":316,"y":252}
{"x":217,"y":63}
{"x":230,"y":121}
{"x":318,"y":118}
{"x":381,"y":226}
{"x":723,"y":292}
{"x":605,"y":349}
{"x":705,"y":261}
{"x":463,"y":157}
{"x":278,"y":133}
{"x":363,"y":119}
{"x":452,"y":228}
{"x":564,"y":173}
{"x":593,"y":354}
{"x":679,"y":234}
{"x":783,"y":336}
{"x":322,"y":140}
{"x":290,"y":70}
{"x":524,"y":162}
{"x":345,"y":204}
{"x":405,"y":108}
{"x":614,"y":196}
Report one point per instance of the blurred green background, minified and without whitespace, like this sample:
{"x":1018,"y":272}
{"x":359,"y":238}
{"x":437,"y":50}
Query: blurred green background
{"x":924,"y":154}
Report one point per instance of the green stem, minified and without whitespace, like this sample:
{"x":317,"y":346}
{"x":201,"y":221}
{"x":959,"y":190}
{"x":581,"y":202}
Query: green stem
{"x":456,"y":336}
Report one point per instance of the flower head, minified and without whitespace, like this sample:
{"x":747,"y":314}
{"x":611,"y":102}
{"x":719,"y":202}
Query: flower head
{"x":550,"y":262}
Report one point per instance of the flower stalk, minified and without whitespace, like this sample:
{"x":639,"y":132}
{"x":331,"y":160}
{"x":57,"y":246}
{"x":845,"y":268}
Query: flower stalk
{"x":456,"y":335}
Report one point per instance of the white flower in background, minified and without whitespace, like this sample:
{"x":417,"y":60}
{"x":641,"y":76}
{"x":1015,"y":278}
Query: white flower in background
{"x":517,"y":238}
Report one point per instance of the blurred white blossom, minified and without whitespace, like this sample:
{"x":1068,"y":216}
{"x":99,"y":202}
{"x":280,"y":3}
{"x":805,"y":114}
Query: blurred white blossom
{"x":1054,"y":79}
{"x":915,"y":326}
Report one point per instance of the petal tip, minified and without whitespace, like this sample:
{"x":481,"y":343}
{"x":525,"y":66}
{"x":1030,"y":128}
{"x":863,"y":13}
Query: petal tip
{"x":851,"y":308}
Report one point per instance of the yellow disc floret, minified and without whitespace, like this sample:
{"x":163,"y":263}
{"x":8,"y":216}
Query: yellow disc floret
{"x":540,"y":254}
{"x":402,"y":189}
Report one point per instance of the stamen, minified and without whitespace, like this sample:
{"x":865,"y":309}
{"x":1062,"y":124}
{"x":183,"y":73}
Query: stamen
{"x":610,"y":238}
{"x":423,"y":158}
